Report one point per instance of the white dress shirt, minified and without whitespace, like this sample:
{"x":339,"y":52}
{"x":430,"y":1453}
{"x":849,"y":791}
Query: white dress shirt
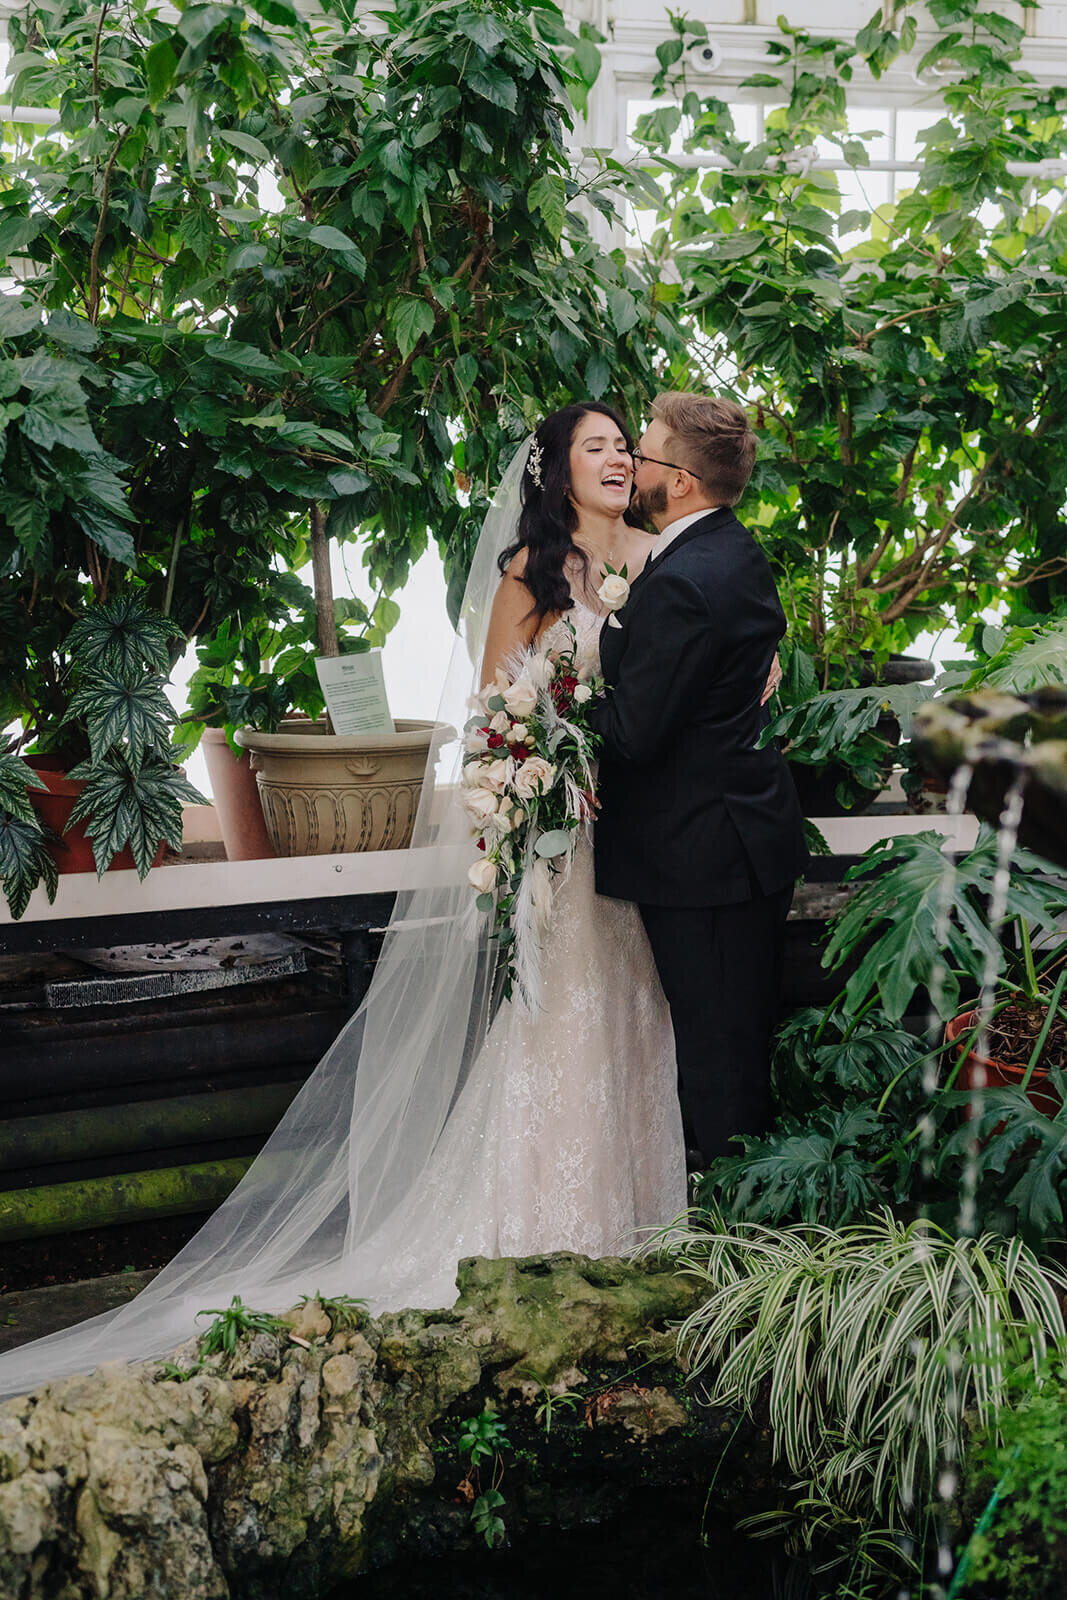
{"x":673,"y":529}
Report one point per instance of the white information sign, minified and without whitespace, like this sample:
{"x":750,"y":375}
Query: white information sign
{"x":354,"y":690}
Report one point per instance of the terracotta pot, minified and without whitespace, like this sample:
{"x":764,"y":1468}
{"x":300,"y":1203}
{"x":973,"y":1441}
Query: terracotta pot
{"x":1001,"y":1074}
{"x":329,"y":794}
{"x":236,"y":796}
{"x":73,"y":852}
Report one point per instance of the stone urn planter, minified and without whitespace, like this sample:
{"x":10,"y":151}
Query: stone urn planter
{"x":329,"y":794}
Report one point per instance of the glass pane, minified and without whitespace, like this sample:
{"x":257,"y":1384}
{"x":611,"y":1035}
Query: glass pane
{"x":909,"y":125}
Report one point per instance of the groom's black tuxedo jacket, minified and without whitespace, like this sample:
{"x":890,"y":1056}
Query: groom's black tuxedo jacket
{"x":691,"y":812}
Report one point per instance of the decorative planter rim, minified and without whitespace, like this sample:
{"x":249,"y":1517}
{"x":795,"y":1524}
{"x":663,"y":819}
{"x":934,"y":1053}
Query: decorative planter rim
{"x":308,"y":738}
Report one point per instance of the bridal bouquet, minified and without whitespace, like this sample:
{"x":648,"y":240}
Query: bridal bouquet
{"x":528,"y":788}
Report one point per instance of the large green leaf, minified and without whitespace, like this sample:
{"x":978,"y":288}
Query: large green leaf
{"x":24,"y":862}
{"x":1011,"y":1137}
{"x":823,"y":725}
{"x":136,"y":715}
{"x":921,"y":914}
{"x":142,"y":808}
{"x":121,"y":637}
{"x":16,"y":779}
{"x":823,"y":1171}
{"x":1029,"y":658}
{"x":411,"y":320}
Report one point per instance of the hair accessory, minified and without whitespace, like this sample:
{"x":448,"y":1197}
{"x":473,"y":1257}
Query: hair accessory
{"x":533,"y":462}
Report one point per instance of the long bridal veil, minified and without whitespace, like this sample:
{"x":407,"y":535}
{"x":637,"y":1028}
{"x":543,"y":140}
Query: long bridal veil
{"x":358,"y":1135}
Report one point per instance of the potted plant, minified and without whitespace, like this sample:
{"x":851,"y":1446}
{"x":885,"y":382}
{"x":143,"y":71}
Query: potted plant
{"x":840,"y":743}
{"x":101,"y":788}
{"x":890,"y":498}
{"x":920,"y":921}
{"x":358,"y":361}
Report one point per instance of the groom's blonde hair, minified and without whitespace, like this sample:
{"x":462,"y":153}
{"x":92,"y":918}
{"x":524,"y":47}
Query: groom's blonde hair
{"x":712,"y":437}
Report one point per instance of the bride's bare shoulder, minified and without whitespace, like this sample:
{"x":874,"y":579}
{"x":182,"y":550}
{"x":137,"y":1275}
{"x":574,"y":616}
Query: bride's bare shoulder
{"x":516,"y":567}
{"x":514,"y":617}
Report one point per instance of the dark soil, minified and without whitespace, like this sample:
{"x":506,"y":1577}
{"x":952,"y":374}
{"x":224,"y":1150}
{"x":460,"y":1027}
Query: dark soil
{"x":34,"y":1263}
{"x":1013,"y":1034}
{"x":656,"y":1550}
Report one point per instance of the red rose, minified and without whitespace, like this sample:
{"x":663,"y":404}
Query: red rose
{"x":495,"y":740}
{"x":481,"y":844}
{"x":570,"y":684}
{"x":519,"y":753}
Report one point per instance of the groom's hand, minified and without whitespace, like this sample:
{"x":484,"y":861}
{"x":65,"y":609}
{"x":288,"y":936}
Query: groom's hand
{"x":774,"y":678}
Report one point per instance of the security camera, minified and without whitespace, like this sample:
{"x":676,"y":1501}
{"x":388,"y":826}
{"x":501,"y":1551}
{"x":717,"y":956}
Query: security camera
{"x":705,"y":55}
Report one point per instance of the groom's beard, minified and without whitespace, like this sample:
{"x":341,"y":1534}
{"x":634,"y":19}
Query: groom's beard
{"x":648,"y":502}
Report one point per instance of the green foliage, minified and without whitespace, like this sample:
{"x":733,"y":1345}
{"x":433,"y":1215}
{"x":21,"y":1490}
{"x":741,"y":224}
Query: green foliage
{"x":903,"y":360}
{"x":919,"y":913}
{"x":483,"y":1436}
{"x":848,"y":1091}
{"x":1022,"y":1150}
{"x":839,"y":728}
{"x":485,"y":1514}
{"x":482,"y":1440}
{"x":1018,"y":1544}
{"x":25,"y":860}
{"x":171,"y":1372}
{"x":234,"y":1323}
{"x":343,"y":1310}
{"x":871,"y":1346}
{"x":1023,"y":658}
{"x":199,"y":382}
{"x":568,"y":1400}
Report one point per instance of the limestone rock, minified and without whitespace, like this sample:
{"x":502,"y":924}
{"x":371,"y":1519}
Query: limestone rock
{"x":295,"y":1464}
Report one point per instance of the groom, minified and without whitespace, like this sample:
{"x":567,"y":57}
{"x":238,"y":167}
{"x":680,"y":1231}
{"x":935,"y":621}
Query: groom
{"x":697,"y":825}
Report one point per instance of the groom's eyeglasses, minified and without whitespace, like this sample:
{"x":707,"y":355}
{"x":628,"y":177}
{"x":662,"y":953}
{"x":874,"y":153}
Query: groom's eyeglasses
{"x":676,"y":466}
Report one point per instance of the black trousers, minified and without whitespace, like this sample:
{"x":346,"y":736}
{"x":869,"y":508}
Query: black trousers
{"x":721,"y":970}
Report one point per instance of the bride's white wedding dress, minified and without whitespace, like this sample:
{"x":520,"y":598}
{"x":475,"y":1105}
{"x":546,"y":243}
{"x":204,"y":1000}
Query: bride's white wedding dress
{"x":567,"y":1133}
{"x":397,"y":1159}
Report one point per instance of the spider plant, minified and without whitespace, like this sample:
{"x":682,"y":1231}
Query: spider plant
{"x":873,"y":1347}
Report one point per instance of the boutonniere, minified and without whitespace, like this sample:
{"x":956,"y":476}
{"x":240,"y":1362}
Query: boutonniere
{"x":613,"y":592}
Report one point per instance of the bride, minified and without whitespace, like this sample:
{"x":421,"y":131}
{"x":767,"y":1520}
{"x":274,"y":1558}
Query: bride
{"x":433,"y":1130}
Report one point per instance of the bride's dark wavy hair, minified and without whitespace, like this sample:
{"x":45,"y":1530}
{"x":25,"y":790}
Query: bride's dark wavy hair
{"x":548,"y":520}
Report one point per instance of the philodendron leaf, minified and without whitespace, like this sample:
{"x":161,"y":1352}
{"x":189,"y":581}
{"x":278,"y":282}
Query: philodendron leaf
{"x":822,"y":725}
{"x":25,"y":862}
{"x":1010,"y":1136}
{"x":923,"y":912}
{"x":142,"y":809}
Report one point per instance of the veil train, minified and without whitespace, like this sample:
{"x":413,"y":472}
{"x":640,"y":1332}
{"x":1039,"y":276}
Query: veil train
{"x":356,"y":1138}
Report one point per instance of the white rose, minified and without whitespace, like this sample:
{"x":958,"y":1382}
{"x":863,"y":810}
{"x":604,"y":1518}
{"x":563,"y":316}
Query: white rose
{"x":613,"y":592}
{"x":588,"y":664}
{"x":521,"y":698}
{"x":533,"y":777}
{"x":502,"y":821}
{"x":495,"y":775}
{"x":501,"y":722}
{"x":483,"y":876}
{"x":473,"y":776}
{"x":582,"y":693}
{"x":516,"y":733}
{"x":480,"y":804}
